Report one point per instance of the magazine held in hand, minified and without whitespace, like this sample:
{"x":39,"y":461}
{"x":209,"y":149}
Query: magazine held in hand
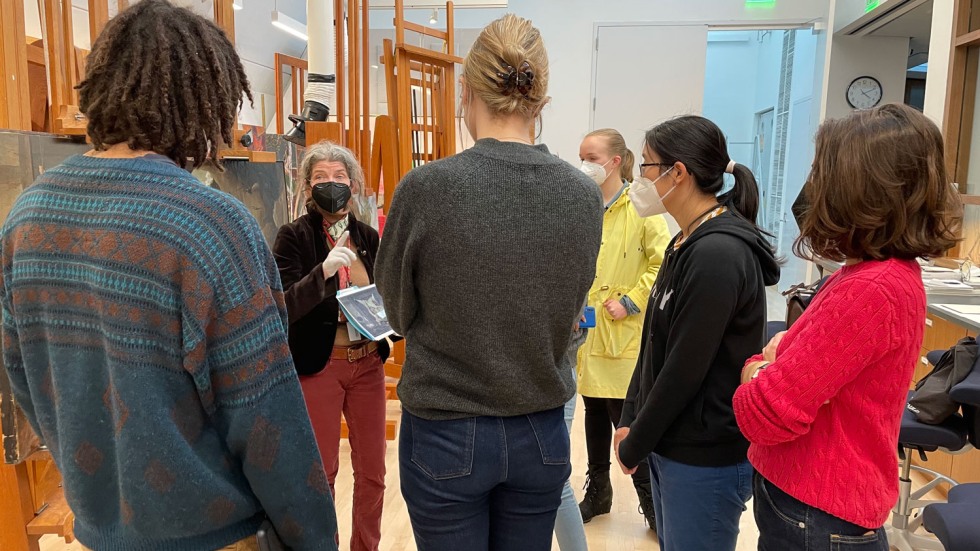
{"x":365,"y":311}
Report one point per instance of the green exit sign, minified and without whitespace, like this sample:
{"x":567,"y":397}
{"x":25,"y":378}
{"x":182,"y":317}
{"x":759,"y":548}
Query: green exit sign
{"x":760,"y":3}
{"x":870,"y":5}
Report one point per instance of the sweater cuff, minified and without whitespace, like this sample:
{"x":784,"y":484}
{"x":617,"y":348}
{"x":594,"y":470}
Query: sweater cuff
{"x":631,"y":308}
{"x":628,"y":454}
{"x":755,"y":426}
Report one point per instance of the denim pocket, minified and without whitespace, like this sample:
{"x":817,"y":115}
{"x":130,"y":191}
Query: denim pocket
{"x":869,"y":542}
{"x":443,"y":449}
{"x":552,"y":436}
{"x":783,"y":510}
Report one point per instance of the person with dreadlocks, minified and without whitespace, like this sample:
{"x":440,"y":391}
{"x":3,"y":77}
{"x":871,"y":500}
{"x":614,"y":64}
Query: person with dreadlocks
{"x":144,"y":324}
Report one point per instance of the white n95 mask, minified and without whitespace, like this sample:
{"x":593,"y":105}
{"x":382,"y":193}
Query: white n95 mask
{"x":595,"y":171}
{"x":645,"y":198}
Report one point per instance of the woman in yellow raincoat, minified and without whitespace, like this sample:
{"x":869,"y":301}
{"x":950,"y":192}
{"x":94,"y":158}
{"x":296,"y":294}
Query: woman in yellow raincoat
{"x":631,"y":253}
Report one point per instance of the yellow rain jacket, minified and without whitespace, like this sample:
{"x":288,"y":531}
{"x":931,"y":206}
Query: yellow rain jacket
{"x":629,"y":259}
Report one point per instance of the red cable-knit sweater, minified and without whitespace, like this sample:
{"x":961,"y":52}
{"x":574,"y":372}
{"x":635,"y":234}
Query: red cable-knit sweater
{"x":823,"y":419}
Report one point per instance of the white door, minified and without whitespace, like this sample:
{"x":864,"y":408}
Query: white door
{"x":645,"y":74}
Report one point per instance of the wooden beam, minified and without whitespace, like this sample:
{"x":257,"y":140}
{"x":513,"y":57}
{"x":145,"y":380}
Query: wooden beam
{"x":15,"y":100}
{"x":70,"y":121}
{"x":352,"y":142}
{"x":68,"y":53}
{"x":430,"y":56}
{"x":366,"y":100}
{"x":969,"y":39}
{"x":318,"y":131}
{"x":399,"y":22}
{"x":294,"y":61}
{"x":224,"y":17}
{"x":403,"y":123}
{"x":297,"y":67}
{"x":965,"y":107}
{"x":294,"y":90}
{"x":280,"y":126}
{"x":423,"y":30}
{"x":338,"y":18}
{"x":35,"y":53}
{"x":98,"y":16}
{"x":17,"y":504}
{"x":58,"y":94}
{"x":450,"y":30}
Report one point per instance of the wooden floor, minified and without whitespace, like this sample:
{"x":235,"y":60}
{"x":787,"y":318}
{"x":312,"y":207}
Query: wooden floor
{"x":621,"y":530}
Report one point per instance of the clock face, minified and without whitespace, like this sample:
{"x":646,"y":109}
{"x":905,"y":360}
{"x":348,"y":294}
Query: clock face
{"x":864,"y":93}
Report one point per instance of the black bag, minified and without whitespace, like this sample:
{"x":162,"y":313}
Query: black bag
{"x":798,"y":297}
{"x":931,"y":403}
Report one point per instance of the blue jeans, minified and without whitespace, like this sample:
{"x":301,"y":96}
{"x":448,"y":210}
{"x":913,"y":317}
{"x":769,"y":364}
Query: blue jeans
{"x":568,"y":526}
{"x":484,"y":483}
{"x":698,"y":508}
{"x":787,"y":524}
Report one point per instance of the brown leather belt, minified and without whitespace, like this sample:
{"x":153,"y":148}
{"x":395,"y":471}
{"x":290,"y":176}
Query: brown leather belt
{"x":354,"y":353}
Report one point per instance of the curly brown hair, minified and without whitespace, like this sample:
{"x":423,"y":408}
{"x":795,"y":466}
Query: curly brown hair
{"x":878,"y":189}
{"x":163,"y":79}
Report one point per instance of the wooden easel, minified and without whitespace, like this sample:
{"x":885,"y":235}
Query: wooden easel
{"x":420,"y":127}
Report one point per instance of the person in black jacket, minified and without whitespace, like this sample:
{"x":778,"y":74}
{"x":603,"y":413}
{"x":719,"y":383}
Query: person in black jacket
{"x":706,"y":315}
{"x":323,"y":251}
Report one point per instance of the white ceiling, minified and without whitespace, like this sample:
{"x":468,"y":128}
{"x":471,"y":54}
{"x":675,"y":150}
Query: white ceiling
{"x":917,"y":25}
{"x":258,"y":41}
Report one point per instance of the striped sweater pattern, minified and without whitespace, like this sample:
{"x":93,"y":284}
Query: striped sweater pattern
{"x":144,"y":334}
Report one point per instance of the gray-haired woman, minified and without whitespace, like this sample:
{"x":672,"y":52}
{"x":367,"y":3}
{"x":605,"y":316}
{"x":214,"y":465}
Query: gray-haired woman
{"x":323,"y":251}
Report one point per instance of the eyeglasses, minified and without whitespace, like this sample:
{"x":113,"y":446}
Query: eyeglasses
{"x":644,"y":165}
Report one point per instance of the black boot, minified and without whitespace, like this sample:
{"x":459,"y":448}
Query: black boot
{"x":598,"y":495}
{"x":646,"y":504}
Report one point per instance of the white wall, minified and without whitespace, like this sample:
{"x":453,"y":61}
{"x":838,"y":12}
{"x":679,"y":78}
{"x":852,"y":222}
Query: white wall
{"x":79,"y":20}
{"x":884,"y":58}
{"x":567,"y":29}
{"x":731,"y":80}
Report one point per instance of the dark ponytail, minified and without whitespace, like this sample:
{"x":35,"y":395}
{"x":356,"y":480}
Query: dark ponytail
{"x":700,"y":145}
{"x":744,"y":197}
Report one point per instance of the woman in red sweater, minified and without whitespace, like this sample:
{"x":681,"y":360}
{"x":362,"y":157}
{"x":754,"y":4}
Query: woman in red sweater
{"x":821,"y":406}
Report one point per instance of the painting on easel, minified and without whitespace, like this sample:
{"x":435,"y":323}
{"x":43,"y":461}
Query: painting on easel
{"x":261,"y":187}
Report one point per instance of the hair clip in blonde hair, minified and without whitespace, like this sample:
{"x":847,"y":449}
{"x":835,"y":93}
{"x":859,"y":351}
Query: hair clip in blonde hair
{"x":519,"y":80}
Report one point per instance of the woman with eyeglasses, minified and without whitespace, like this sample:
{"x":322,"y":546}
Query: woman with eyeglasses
{"x":706,"y":315}
{"x":630,"y":256}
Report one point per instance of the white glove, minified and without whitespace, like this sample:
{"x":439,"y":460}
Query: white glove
{"x":339,"y":256}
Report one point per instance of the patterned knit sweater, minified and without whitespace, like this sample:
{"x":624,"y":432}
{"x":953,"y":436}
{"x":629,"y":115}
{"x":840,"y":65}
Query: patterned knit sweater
{"x":823,"y":419}
{"x":144,"y":333}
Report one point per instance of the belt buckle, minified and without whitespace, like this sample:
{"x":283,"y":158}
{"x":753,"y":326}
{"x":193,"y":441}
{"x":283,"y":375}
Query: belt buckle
{"x":350,"y":355}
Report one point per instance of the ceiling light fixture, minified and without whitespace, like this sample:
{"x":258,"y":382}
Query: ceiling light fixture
{"x":285,"y":23}
{"x":435,"y":17}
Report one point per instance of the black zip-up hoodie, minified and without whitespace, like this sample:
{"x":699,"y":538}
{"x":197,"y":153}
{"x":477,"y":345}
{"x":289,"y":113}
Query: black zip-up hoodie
{"x":705,"y":318}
